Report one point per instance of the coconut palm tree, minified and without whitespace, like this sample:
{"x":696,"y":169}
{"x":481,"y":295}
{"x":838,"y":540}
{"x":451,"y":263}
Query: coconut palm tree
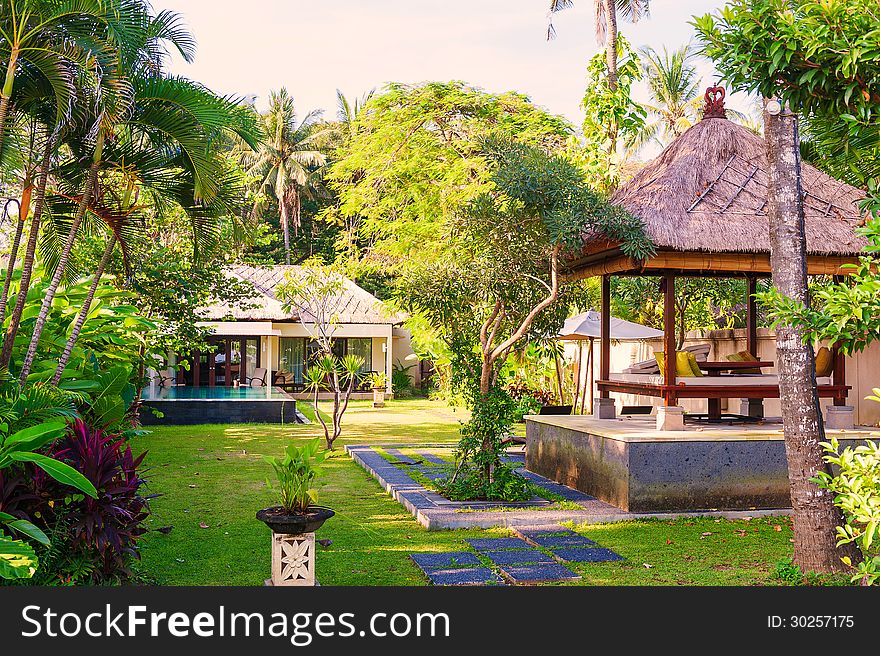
{"x":606,"y":12}
{"x":290,"y":163}
{"x":674,"y":85}
{"x":152,"y":112}
{"x":347,"y":111}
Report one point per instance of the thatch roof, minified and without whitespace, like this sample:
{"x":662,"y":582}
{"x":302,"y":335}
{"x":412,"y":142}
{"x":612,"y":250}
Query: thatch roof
{"x":355,"y":306}
{"x":707,"y":191}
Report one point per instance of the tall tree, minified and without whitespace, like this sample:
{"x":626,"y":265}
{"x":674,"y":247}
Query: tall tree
{"x":347,"y":111}
{"x":606,"y":25}
{"x":289,"y":164}
{"x":815,"y":513}
{"x":823,"y":59}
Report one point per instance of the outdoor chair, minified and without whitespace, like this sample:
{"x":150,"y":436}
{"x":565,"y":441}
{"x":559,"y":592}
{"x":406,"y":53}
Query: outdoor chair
{"x":258,"y":379}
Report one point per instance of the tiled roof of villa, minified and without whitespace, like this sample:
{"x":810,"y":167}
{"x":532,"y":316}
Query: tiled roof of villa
{"x":355,"y":306}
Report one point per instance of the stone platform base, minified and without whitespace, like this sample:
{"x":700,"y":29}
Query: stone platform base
{"x":629,"y":464}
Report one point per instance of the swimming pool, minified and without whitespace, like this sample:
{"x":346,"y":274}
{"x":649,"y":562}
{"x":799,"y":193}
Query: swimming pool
{"x":218,"y":405}
{"x":242,"y":393}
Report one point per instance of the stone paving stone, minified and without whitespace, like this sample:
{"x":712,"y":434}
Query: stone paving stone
{"x":454,"y":560}
{"x":545,"y":531}
{"x":552,"y":541}
{"x":539,"y":573}
{"x":597,"y":555}
{"x":397,"y":455}
{"x":430,"y":457}
{"x":492,"y":544}
{"x":471,"y":576}
{"x":517,"y":557}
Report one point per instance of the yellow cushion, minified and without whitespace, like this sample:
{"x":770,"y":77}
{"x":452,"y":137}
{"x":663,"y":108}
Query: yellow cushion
{"x":824,"y":362}
{"x":695,"y":368}
{"x":682,"y":363}
{"x":744,"y":356}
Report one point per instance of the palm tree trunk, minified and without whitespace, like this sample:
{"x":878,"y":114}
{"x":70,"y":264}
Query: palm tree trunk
{"x":23,"y":210}
{"x":285,"y":229}
{"x":814,"y":513}
{"x":84,"y":310}
{"x":611,"y":42}
{"x":49,"y":296}
{"x":27,"y":266}
{"x":6,"y":95}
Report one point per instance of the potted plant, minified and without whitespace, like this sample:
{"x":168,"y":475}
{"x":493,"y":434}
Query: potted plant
{"x":296,"y":519}
{"x":379,"y":383}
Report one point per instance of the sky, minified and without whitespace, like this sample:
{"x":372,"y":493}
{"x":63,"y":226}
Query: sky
{"x":247,"y":47}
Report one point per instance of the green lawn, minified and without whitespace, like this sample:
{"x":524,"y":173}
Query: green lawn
{"x":212,"y":482}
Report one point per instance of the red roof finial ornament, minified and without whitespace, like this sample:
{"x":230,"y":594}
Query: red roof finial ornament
{"x":714,"y":107}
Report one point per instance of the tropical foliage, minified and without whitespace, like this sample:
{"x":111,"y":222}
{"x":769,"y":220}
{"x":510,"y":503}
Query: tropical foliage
{"x":485,"y":292}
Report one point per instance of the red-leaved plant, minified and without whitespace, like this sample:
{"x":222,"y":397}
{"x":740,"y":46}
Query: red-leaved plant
{"x":105,"y":529}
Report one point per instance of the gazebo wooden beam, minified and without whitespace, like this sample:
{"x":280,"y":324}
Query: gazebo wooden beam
{"x":698,"y":264}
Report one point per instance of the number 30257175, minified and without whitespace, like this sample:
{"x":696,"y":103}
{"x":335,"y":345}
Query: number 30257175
{"x":811,"y":622}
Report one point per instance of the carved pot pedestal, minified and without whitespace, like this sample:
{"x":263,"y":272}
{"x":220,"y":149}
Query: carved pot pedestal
{"x":293,"y":560}
{"x":293,"y":544}
{"x":378,"y":397}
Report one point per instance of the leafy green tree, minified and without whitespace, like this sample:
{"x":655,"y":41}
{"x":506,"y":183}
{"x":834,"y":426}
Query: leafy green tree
{"x":610,"y":114}
{"x":606,"y":26}
{"x":317,"y":294}
{"x":47,"y":39}
{"x":498,"y":282}
{"x":820,"y":59}
{"x":417,"y":157}
{"x":289,"y":163}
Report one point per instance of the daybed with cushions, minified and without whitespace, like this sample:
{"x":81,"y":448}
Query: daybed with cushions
{"x":644,"y":378}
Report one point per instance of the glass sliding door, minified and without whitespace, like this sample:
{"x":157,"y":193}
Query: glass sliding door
{"x":362,"y":347}
{"x":291,"y":359}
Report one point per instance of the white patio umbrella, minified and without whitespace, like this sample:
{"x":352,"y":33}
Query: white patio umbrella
{"x":588,"y":327}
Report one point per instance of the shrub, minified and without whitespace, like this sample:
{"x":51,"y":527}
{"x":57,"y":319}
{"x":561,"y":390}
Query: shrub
{"x":295,"y":473}
{"x":857,"y":490}
{"x":401,"y":381}
{"x":104,"y":530}
{"x":505,"y":485}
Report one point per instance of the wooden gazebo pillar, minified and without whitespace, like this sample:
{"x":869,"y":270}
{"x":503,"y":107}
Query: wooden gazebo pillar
{"x":669,"y":396}
{"x":603,"y":407}
{"x":752,"y":407}
{"x":670,"y":416}
{"x":605,"y":334}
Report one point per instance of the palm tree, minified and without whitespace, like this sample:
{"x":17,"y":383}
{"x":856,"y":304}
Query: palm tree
{"x":48,"y":38}
{"x":290,"y":163}
{"x":152,"y":112}
{"x":606,"y":25}
{"x":347,"y":111}
{"x":674,"y":85}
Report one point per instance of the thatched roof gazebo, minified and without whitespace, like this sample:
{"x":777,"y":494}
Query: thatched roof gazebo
{"x":703,"y":203}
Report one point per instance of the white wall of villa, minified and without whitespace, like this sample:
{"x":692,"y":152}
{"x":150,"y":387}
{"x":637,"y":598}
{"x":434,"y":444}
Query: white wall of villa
{"x":862,"y":370}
